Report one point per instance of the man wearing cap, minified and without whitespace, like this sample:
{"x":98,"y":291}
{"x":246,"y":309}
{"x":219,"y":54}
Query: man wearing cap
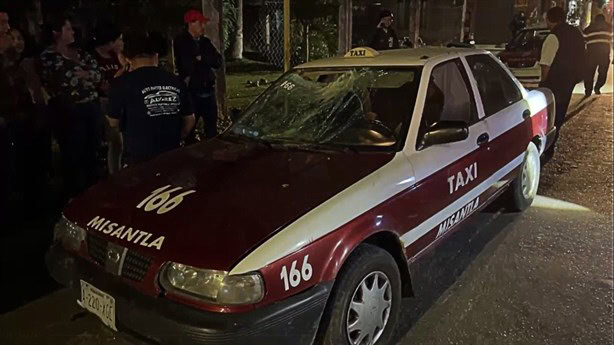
{"x":385,"y":37}
{"x":197,"y":59}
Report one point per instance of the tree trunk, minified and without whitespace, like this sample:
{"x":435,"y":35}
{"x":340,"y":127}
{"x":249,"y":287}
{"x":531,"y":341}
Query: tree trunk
{"x":306,"y":40}
{"x":345,"y":27}
{"x":214,"y":31}
{"x":237,"y":49}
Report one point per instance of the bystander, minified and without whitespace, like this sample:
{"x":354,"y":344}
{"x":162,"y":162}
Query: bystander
{"x":197,"y":59}
{"x":71,"y":77}
{"x":599,"y":45}
{"x":5,"y":43}
{"x":108,"y":48}
{"x":519,"y":22}
{"x":150,"y":105}
{"x":563,"y":65}
{"x":385,"y":37}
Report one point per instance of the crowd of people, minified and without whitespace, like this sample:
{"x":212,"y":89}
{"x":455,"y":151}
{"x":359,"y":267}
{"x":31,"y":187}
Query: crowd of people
{"x":106,"y":102}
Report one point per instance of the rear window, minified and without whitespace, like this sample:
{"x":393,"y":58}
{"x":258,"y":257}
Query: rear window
{"x":528,"y":39}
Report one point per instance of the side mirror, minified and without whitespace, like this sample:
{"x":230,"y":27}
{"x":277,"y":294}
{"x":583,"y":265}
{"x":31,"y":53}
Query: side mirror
{"x":235,"y":114}
{"x":445,"y":132}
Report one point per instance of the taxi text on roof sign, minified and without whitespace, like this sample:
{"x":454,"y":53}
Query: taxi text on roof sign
{"x":362,"y":52}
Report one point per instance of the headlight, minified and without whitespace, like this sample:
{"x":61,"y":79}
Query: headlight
{"x":70,"y":235}
{"x":215,"y":286}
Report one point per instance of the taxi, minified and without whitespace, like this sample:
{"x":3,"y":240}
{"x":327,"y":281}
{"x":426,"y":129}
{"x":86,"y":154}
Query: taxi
{"x":299,"y":223}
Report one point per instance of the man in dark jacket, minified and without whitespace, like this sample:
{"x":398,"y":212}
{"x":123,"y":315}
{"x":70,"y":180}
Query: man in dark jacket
{"x":562,"y":63}
{"x":518,"y":23}
{"x":197,"y":59}
{"x":598,"y":37}
{"x":385,"y":37}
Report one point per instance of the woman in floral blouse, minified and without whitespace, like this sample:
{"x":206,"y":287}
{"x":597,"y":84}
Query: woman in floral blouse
{"x":71,"y":78}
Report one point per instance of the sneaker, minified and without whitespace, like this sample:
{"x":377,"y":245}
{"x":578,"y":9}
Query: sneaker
{"x":597,"y":92}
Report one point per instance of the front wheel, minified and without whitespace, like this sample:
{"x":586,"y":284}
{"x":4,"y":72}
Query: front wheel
{"x":523,"y":189}
{"x":364,"y":305}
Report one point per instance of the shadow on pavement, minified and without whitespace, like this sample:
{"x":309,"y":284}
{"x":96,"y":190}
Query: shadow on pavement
{"x":440,"y":268}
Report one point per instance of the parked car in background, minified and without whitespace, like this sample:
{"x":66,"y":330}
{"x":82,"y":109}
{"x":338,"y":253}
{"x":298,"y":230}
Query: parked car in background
{"x":298,"y":225}
{"x":523,"y":53}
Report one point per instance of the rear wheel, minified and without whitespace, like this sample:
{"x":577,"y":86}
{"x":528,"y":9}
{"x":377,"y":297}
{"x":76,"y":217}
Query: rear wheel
{"x":364,"y":305}
{"x":523,"y":189}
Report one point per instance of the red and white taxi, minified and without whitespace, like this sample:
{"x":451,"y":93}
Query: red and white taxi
{"x":299,"y":223}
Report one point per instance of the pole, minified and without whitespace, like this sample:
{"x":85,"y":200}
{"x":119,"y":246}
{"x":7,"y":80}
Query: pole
{"x":417,"y":14}
{"x":463,"y":17}
{"x":287,"y":50}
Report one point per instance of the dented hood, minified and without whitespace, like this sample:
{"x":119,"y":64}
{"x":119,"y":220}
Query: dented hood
{"x":235,"y":196}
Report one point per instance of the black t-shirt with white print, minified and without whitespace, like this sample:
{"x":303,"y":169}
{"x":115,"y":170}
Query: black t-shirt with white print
{"x":150,"y":104}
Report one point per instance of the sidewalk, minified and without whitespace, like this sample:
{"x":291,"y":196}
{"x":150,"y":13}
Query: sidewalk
{"x":579,"y":102}
{"x":606,"y":89}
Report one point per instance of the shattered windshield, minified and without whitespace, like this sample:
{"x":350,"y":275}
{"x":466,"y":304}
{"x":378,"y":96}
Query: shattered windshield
{"x":359,"y":107}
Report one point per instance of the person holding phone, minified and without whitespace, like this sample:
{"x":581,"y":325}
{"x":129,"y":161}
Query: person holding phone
{"x":385,"y":37}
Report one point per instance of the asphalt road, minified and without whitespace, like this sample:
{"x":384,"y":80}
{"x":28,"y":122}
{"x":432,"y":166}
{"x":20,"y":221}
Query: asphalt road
{"x":540,"y":277}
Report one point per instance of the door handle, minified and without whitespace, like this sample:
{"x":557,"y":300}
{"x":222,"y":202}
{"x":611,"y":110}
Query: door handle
{"x":483,"y":139}
{"x":526,"y":114}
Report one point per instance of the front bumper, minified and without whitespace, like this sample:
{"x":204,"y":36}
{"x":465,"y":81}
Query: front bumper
{"x":294,"y":320}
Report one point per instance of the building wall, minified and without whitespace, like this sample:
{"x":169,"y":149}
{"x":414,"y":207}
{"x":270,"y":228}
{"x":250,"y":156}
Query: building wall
{"x":491,"y":21}
{"x":441,"y":21}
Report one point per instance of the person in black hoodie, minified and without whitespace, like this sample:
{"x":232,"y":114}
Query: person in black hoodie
{"x":197,"y":59}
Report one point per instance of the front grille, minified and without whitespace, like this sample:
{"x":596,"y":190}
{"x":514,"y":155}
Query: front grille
{"x":135,"y":265}
{"x":97,"y":248}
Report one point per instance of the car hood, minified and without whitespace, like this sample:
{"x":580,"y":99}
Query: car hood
{"x":243,"y":194}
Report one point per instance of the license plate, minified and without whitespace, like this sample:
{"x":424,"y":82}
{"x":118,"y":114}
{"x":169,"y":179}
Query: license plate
{"x":98,"y":303}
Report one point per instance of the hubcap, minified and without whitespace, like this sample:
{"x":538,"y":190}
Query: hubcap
{"x":369,"y":309}
{"x":530,"y":176}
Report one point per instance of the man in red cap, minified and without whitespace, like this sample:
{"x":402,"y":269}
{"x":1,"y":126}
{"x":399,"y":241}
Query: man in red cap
{"x":197,"y":59}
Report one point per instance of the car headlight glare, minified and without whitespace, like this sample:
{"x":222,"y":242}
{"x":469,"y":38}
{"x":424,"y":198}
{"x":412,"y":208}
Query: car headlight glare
{"x":214,"y":286}
{"x":69,"y":234}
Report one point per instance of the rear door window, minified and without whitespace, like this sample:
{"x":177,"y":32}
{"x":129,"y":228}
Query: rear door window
{"x":497,"y":89}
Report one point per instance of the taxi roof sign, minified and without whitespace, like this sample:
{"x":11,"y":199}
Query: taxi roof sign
{"x":362,"y":52}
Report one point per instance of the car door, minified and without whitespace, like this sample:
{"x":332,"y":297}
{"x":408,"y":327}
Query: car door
{"x":506,"y":119}
{"x":448,"y":175}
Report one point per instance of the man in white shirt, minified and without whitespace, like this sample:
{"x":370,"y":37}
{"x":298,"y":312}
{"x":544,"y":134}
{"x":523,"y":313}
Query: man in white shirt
{"x":563,"y":62}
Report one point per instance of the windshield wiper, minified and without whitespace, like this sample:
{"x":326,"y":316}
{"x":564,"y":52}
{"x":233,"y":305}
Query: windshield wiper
{"x":247,"y":139}
{"x":318,"y":147}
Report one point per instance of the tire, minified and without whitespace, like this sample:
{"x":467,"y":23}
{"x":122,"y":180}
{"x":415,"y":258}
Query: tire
{"x":523,"y":189}
{"x":363,"y":265}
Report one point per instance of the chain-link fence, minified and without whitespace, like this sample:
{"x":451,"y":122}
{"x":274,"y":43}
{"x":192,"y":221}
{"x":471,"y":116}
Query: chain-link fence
{"x":313,"y":34}
{"x":264,"y":31}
